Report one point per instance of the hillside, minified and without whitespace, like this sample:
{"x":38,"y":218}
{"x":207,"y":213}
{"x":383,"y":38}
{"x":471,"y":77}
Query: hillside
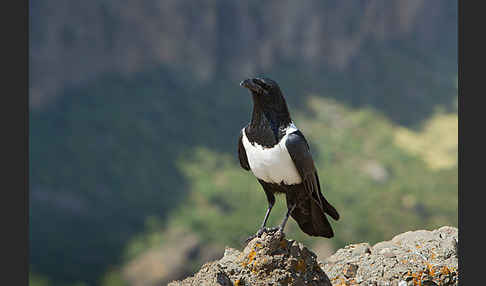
{"x":357,"y":52}
{"x":359,"y":155}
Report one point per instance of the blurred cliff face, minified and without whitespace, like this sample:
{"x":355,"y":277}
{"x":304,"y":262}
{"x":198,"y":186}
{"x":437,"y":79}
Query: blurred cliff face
{"x":71,"y":42}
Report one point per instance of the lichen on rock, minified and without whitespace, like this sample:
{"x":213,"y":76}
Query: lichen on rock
{"x":268,"y":260}
{"x":419,"y":257}
{"x":412,"y":258}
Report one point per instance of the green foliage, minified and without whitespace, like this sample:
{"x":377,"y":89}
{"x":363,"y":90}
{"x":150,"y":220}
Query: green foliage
{"x":98,"y":169}
{"x":113,"y":278}
{"x":38,"y":280}
{"x":380,"y":188}
{"x":42,"y":280}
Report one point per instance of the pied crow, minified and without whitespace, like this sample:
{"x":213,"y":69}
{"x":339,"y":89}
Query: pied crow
{"x":277,"y":153}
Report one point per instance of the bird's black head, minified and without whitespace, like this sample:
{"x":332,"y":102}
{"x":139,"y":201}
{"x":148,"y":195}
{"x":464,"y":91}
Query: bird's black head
{"x":268,"y":101}
{"x":266,"y":94}
{"x":261,"y":86}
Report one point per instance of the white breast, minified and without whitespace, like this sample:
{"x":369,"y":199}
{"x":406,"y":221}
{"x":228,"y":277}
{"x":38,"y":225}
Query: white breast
{"x":272,"y":165}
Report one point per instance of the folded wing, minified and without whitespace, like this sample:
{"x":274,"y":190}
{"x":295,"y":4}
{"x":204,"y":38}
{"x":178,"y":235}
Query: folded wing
{"x":300,"y":153}
{"x":242,"y":153}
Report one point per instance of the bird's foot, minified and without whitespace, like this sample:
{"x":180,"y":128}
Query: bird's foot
{"x":272,"y":229}
{"x":261,"y":231}
{"x":278,"y":231}
{"x":257,"y":234}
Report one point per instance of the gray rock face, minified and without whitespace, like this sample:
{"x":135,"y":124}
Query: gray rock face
{"x":412,"y":258}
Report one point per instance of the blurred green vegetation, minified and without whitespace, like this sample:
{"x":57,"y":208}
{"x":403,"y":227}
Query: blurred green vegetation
{"x":110,"y":155}
{"x":37,"y":280}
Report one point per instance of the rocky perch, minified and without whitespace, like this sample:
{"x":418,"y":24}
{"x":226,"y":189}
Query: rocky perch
{"x":412,"y":258}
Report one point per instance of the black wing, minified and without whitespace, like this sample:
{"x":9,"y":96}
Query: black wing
{"x":300,"y":153}
{"x":242,"y":153}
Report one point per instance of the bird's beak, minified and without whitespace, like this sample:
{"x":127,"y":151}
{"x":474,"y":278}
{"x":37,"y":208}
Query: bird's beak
{"x":251,"y":84}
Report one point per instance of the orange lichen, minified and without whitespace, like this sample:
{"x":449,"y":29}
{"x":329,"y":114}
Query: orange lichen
{"x":430,"y":269}
{"x":237,"y":282}
{"x":417,"y":278}
{"x":445,"y":270}
{"x":259,"y":245}
{"x":249,"y":258}
{"x":251,"y":255}
{"x":342,"y":282}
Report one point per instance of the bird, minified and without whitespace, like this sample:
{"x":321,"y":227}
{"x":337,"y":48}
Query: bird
{"x":277,"y":153}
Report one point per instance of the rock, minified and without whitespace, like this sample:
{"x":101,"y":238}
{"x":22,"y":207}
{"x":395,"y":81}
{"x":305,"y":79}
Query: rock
{"x":269,"y":260}
{"x":361,"y":249}
{"x":419,"y":257}
{"x":412,"y":258}
{"x":350,"y":270}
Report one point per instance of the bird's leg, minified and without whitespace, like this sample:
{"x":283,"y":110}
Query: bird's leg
{"x":284,"y":222}
{"x":262,"y":228}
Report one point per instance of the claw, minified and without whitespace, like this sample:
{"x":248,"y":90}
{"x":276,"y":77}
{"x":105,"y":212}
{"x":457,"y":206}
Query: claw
{"x":271,"y":230}
{"x":263,"y":230}
{"x":257,"y":234}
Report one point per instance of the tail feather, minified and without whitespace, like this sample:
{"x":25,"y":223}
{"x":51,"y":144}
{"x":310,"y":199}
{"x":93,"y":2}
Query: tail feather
{"x":309,"y":215}
{"x":319,"y":221}
{"x":328,"y":208}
